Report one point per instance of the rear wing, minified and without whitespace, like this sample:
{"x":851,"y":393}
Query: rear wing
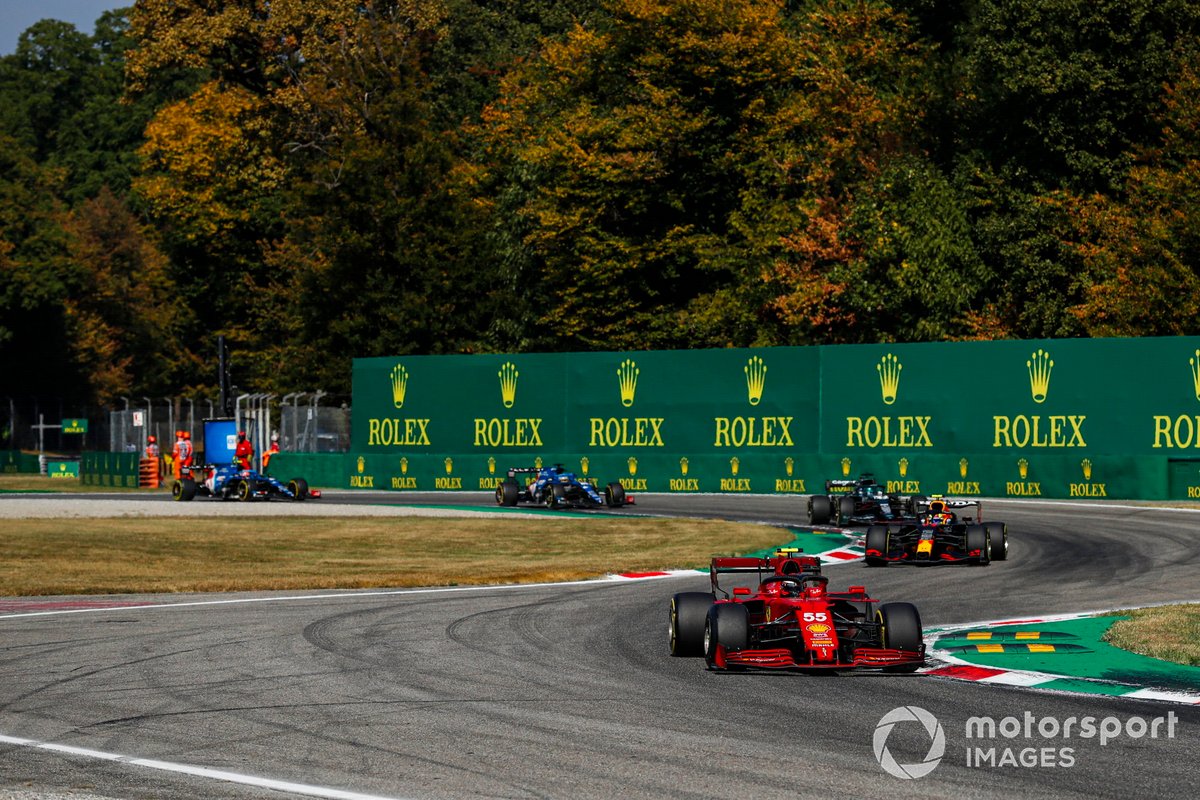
{"x":840,"y":487}
{"x":786,"y":561}
{"x":957,"y":506}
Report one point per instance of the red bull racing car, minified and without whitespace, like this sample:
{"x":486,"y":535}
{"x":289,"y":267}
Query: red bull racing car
{"x":792,"y":621}
{"x":938,"y":536}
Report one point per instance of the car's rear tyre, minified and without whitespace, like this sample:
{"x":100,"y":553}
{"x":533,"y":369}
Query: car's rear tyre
{"x":183,"y":490}
{"x":900,"y":630}
{"x":820,"y":510}
{"x":689,"y":610}
{"x":877,"y":539}
{"x":508,"y":492}
{"x":727,"y":624}
{"x":243,"y":491}
{"x":846,"y":507}
{"x":614,"y":495}
{"x":998,"y":533}
{"x":977,"y":539}
{"x":298,"y":487}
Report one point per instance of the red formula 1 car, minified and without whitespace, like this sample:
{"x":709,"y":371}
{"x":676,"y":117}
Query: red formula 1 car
{"x":792,"y":621}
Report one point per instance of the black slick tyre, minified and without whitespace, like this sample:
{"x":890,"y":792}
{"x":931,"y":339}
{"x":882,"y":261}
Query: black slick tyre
{"x":614,"y":495}
{"x":977,"y":539}
{"x":820,"y":510}
{"x":507,"y":493}
{"x":727,"y":624}
{"x":877,"y":539}
{"x":998,"y":534}
{"x":298,"y":487}
{"x":183,"y":490}
{"x":900,"y":625}
{"x":688,"y":613}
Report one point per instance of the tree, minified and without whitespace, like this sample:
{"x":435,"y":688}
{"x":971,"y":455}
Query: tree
{"x":617,"y":173}
{"x":1144,"y":250}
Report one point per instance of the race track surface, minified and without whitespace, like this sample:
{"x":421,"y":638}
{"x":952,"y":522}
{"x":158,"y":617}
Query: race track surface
{"x":567,"y":691}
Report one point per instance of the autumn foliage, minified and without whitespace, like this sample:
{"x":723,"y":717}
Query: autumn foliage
{"x":324,"y":179}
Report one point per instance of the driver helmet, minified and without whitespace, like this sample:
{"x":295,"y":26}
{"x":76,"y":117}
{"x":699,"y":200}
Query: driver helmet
{"x":789,"y":588}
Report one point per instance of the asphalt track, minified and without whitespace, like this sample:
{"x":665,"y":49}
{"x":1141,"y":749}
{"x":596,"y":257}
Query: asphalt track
{"x":567,"y":691}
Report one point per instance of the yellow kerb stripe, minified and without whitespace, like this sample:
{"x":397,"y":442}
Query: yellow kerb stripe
{"x":1028,"y":634}
{"x":979,"y":635}
{"x":1040,"y":648}
{"x":990,"y":648}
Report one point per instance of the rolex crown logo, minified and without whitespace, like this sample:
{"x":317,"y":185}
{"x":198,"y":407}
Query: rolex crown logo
{"x":632,"y":462}
{"x":404,"y":466}
{"x":399,"y":385}
{"x":734,"y":464}
{"x":1039,"y":366}
{"x":683,"y":465}
{"x":756,"y":379}
{"x":537,"y":462}
{"x":362,"y":464}
{"x":627,"y":376}
{"x":788,"y":465}
{"x":962,"y":467}
{"x":508,"y":383}
{"x":449,"y":465}
{"x":889,"y":377}
{"x":1086,"y":465}
{"x":903,"y":464}
{"x":845,"y":467}
{"x":1195,"y":362}
{"x":1023,"y":468}
{"x":583,"y":465}
{"x":491,"y":465}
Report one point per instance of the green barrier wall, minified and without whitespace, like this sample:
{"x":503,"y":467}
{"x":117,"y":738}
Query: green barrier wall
{"x":1079,"y":418}
{"x":109,"y":469}
{"x":319,"y":469}
{"x":16,"y":461}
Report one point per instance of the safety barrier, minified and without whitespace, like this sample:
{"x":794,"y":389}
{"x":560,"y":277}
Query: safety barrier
{"x":148,"y":473}
{"x":1079,"y":418}
{"x":18,"y":461}
{"x":110,"y":469}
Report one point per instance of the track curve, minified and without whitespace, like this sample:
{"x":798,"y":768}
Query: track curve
{"x":567,"y":691}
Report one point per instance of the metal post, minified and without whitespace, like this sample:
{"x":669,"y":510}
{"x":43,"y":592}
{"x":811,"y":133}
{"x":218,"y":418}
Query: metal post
{"x":149,"y":419}
{"x":316,"y":411}
{"x":237,"y":410}
{"x":170,"y":415}
{"x":295,"y":417}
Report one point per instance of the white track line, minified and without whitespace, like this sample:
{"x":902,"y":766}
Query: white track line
{"x":195,"y":771}
{"x":135,"y":606}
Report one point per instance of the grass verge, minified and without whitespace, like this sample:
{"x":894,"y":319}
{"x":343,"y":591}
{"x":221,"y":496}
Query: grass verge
{"x":1170,"y":633}
{"x":132,"y":555}
{"x":26,"y":482}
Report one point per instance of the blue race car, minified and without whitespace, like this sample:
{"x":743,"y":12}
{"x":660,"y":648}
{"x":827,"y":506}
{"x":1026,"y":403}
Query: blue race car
{"x":228,"y":482}
{"x":554,"y":488}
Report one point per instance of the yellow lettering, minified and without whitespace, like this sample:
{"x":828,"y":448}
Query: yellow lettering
{"x":854,"y":432}
{"x":1001,"y":428}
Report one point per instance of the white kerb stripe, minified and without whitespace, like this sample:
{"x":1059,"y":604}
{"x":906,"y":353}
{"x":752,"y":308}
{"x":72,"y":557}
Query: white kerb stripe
{"x":196,"y":771}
